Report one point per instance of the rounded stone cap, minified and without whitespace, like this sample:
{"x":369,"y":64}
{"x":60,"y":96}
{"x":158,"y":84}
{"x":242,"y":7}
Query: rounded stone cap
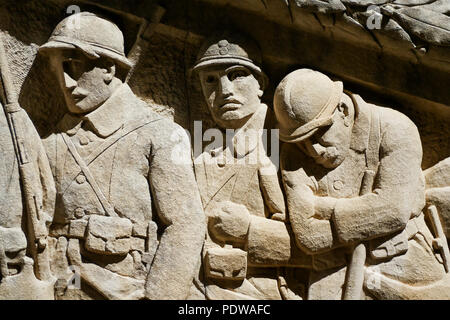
{"x":229,"y":48}
{"x":304,"y":101}
{"x":94,"y":35}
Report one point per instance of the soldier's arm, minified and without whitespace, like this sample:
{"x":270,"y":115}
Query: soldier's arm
{"x":398,"y":190}
{"x":312,"y":234}
{"x":305,"y":231}
{"x":178,"y":204}
{"x":43,"y":167}
{"x":271,"y":243}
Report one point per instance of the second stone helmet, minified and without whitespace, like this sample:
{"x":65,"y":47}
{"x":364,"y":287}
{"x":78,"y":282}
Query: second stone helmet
{"x":95,"y":36}
{"x":230,"y":48}
{"x":304,"y":101}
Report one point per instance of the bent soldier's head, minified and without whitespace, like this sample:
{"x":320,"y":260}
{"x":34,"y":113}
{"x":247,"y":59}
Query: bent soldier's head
{"x":314,"y":113}
{"x":231,"y":77}
{"x":87,"y":55}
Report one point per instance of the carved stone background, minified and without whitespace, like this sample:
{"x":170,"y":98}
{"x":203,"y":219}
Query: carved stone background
{"x":402,"y":63}
{"x":398,"y":66}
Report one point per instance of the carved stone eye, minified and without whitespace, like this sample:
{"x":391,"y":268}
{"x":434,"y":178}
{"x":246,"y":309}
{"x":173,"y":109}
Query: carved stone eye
{"x":210,"y":79}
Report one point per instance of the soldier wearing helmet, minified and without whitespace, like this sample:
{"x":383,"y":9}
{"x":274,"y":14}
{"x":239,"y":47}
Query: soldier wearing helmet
{"x":123,"y":204}
{"x":237,"y":192}
{"x":352,"y":176}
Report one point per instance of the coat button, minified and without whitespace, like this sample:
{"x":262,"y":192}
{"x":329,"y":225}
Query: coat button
{"x":80,"y":179}
{"x":338,"y":185}
{"x":79,"y":213}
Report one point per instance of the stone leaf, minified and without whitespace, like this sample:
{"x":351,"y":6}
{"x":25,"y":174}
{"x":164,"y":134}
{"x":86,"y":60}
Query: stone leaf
{"x":425,"y":24}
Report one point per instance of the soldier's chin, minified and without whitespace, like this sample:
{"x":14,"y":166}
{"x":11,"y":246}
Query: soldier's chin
{"x":81,"y":107}
{"x":229,"y":119}
{"x":231,"y":114}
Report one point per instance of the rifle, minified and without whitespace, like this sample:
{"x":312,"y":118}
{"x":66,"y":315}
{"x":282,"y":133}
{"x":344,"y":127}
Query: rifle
{"x":31,"y":185}
{"x":440,"y":242}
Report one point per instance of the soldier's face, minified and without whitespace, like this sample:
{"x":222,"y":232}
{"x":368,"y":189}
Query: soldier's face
{"x":330,"y":145}
{"x":84,"y":81}
{"x":232,"y":93}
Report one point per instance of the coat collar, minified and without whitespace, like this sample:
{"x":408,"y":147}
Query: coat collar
{"x":106,"y":119}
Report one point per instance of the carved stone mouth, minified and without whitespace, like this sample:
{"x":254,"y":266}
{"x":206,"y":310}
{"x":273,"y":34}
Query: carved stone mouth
{"x":230,"y":105}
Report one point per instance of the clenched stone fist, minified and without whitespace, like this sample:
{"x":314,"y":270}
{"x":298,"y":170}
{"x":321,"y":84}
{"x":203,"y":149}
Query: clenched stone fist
{"x":228,"y":221}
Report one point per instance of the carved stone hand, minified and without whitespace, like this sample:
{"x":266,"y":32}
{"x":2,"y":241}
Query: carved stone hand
{"x":324,"y":207}
{"x":228,"y":221}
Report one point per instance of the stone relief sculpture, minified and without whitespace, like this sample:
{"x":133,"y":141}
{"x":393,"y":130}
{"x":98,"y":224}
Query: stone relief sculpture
{"x":237,"y":179}
{"x":126,"y":215}
{"x":320,"y":195}
{"x":352,"y":176}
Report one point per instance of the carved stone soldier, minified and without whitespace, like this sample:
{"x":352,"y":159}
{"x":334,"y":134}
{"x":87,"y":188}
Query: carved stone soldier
{"x":128,"y":216}
{"x":18,"y":278}
{"x":237,"y":180}
{"x":353,"y":180}
{"x":27,"y":200}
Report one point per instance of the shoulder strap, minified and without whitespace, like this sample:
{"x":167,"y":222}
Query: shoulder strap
{"x":372,"y":152}
{"x":373,"y":146}
{"x":127,"y":129}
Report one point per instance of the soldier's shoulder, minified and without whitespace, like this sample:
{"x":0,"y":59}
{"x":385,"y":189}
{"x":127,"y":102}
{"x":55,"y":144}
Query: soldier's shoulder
{"x":395,"y":120}
{"x":49,"y":139}
{"x":398,"y":130}
{"x":145,"y":113}
{"x":160,"y":128}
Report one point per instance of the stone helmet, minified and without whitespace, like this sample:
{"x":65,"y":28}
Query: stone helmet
{"x":231,"y":48}
{"x":95,"y":36}
{"x":304,"y":101}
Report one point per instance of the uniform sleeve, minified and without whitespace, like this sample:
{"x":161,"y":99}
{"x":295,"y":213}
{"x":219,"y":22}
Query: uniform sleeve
{"x":177,"y":201}
{"x":312,"y":235}
{"x":271,"y":190}
{"x":398,"y":191}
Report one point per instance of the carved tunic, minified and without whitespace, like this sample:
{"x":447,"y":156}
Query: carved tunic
{"x":223,"y":176}
{"x":129,"y":151}
{"x":396,"y":197}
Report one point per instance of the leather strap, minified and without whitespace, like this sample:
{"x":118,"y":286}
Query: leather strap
{"x":132,"y":126}
{"x":109,"y":209}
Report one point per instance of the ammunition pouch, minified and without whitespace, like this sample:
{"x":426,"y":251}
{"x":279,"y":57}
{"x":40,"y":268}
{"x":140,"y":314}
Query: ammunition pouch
{"x":108,"y":235}
{"x":390,"y":246}
{"x":226,"y":263}
{"x":111,"y":235}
